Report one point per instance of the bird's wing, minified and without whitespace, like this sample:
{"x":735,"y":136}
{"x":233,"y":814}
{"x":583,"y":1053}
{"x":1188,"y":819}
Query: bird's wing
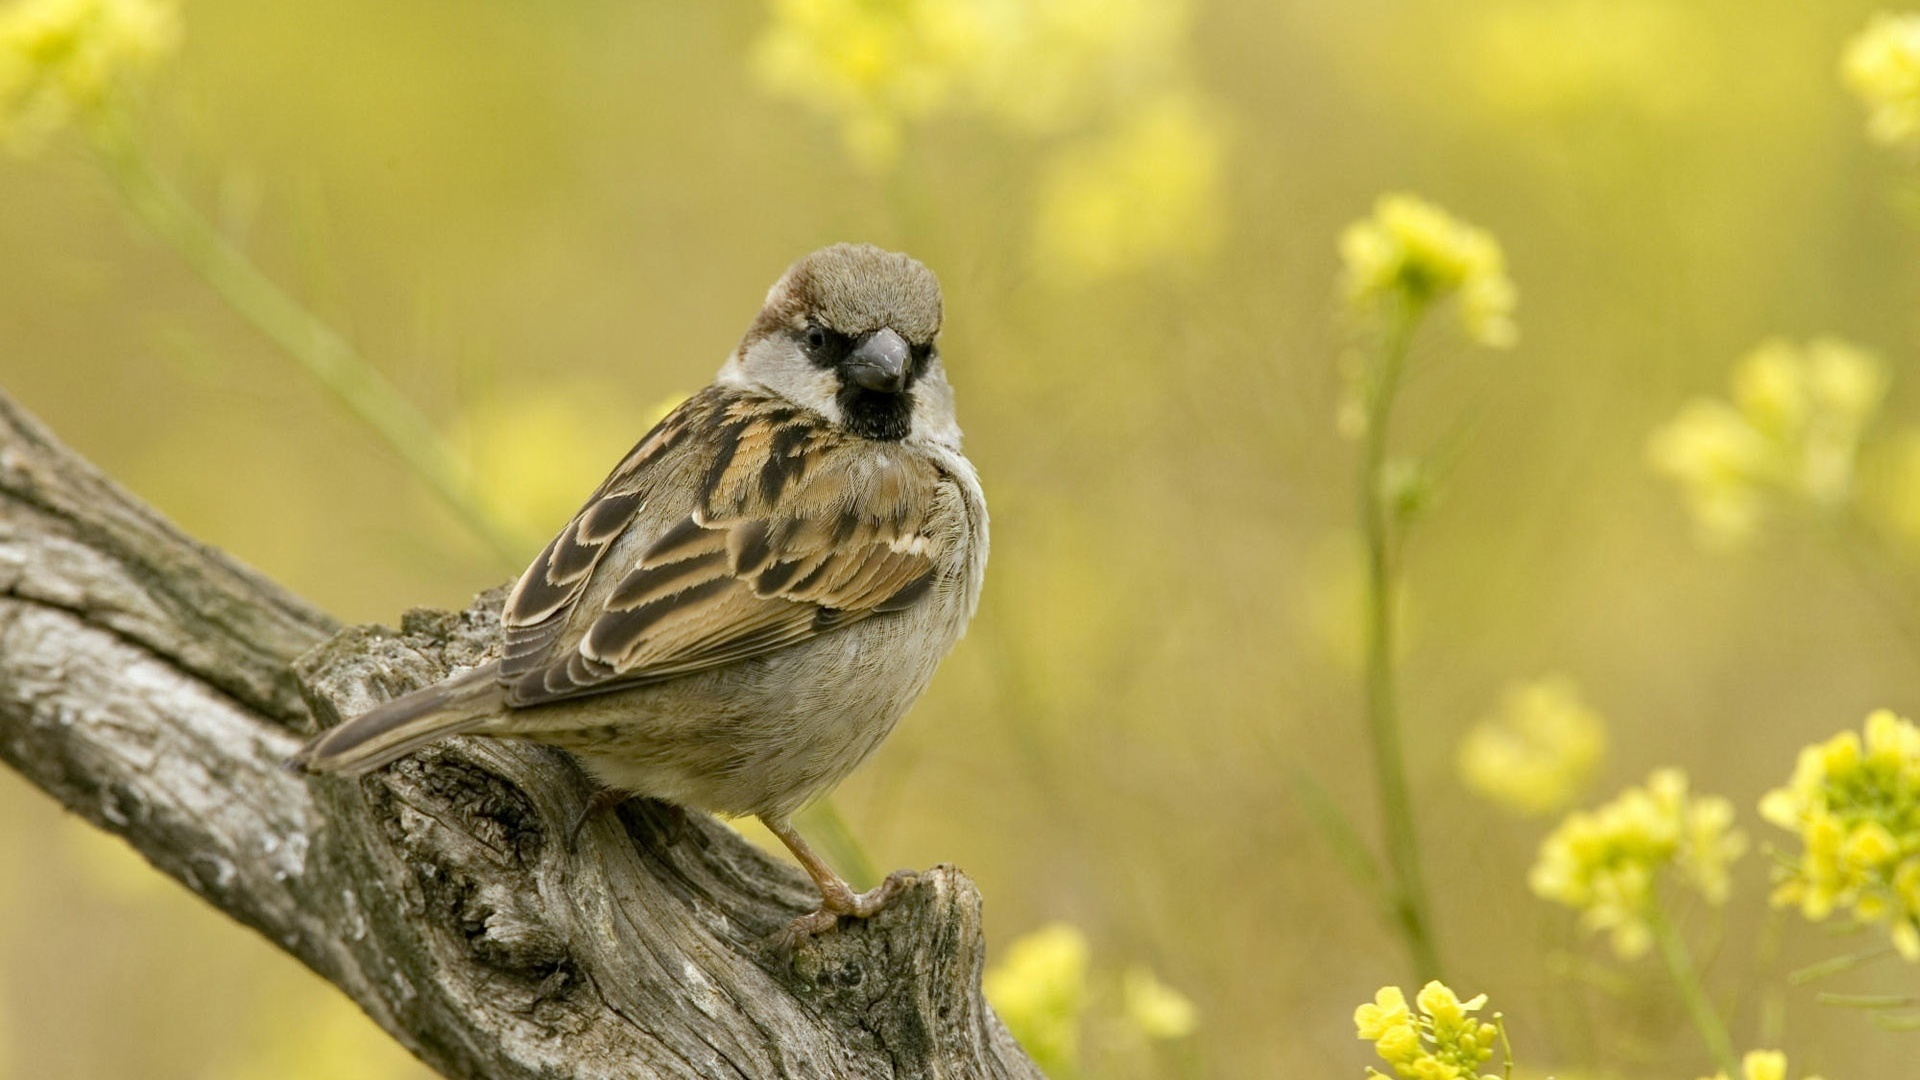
{"x":738,"y":526}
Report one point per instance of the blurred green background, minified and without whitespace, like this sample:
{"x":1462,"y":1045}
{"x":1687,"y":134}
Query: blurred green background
{"x":545,"y":221}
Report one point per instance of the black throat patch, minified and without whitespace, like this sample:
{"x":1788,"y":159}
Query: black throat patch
{"x":875,"y":414}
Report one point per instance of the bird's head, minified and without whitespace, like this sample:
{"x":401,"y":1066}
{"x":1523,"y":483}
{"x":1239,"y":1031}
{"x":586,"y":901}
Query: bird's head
{"x":849,"y":332}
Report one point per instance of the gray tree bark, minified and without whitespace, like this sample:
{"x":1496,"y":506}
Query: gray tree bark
{"x":153,"y":686}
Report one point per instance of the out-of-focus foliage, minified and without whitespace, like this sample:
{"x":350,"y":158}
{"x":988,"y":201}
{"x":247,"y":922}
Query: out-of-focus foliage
{"x":1077,"y":1020}
{"x":1040,"y":990}
{"x":1538,"y":752}
{"x":1856,"y":808}
{"x":1145,"y":193}
{"x":1137,"y":177}
{"x":62,"y":60}
{"x":1608,"y":863}
{"x":1882,"y":66}
{"x":1443,"y":1040}
{"x":1761,"y":1065}
{"x":1041,"y":66}
{"x":1791,"y":434}
{"x":521,"y":441}
{"x":1155,"y":1009}
{"x":542,"y":220}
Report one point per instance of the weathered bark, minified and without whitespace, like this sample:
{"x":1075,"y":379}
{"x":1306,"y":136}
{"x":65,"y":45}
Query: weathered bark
{"x":154,"y":686}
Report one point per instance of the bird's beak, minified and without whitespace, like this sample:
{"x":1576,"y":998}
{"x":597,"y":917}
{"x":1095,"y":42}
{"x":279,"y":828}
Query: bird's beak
{"x":879,"y":361}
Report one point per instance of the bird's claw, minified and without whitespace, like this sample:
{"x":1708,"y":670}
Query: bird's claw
{"x":836,"y":903}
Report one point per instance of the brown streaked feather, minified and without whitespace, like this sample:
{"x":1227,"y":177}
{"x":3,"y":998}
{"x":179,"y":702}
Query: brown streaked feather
{"x":788,"y":528}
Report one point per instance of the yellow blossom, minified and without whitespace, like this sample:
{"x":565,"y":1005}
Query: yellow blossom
{"x":1442,"y":1041}
{"x":1147,"y":192}
{"x":1606,"y":863}
{"x":1791,"y":434}
{"x":1412,"y":252}
{"x":1761,"y":1065}
{"x":1881,"y":65}
{"x":1386,"y":1012}
{"x":1856,"y":806}
{"x":1157,"y":1010}
{"x":1040,"y":990}
{"x":62,"y":60}
{"x":1539,"y":751}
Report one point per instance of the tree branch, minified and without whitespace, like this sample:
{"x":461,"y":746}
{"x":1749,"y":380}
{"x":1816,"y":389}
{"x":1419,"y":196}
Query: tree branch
{"x":153,"y":685}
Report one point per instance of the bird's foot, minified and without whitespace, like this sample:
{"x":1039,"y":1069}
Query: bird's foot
{"x":836,"y":902}
{"x":602,"y":801}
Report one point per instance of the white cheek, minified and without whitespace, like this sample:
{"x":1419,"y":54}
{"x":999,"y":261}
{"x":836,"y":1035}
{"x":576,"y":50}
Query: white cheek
{"x":824,"y":396}
{"x":779,"y":368}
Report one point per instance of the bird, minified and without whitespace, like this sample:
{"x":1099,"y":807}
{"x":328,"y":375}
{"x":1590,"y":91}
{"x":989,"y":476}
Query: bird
{"x":759,"y":590}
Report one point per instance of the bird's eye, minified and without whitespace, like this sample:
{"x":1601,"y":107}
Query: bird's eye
{"x":816,"y":338}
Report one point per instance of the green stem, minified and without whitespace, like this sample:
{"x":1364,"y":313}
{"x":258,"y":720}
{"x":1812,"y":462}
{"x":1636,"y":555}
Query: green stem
{"x":1409,"y":898}
{"x":320,"y":350}
{"x":1686,"y":979}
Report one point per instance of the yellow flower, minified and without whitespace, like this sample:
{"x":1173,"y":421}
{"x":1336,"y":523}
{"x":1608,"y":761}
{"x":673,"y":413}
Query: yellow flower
{"x":1605,"y":863}
{"x":1386,"y":1012}
{"x":1761,"y":1065}
{"x":1040,"y":990}
{"x":1790,"y":434}
{"x":1539,"y":751}
{"x":1443,"y":1041}
{"x":1856,"y":806}
{"x":1412,"y":252}
{"x":62,"y":60}
{"x":1156,"y":1009}
{"x":1147,"y":192}
{"x":1881,"y":65}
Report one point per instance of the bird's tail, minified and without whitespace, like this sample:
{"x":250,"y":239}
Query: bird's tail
{"x":399,"y":727}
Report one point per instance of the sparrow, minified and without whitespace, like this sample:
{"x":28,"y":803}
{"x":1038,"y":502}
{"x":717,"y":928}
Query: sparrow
{"x":759,"y":590}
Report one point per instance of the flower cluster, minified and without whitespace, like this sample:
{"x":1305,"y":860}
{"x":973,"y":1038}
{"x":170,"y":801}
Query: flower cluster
{"x":62,"y":60}
{"x":1760,"y":1065}
{"x":1882,"y":66}
{"x":1044,"y":994}
{"x":1539,"y":751}
{"x":1856,"y":807}
{"x":1791,"y":432}
{"x":1411,"y":253}
{"x":1606,"y":863}
{"x":1442,"y":1041}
